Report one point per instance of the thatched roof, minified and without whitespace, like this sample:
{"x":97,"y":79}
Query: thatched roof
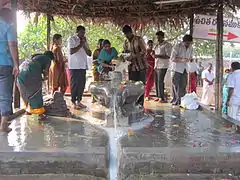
{"x":125,"y":11}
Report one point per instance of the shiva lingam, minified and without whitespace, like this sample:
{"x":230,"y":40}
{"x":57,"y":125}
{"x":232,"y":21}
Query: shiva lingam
{"x":118,"y":102}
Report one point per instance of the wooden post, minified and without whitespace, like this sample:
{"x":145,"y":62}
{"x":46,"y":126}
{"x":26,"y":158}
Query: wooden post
{"x":191,"y":23}
{"x":219,"y":58}
{"x":48,"y":32}
{"x":48,"y":44}
{"x":16,"y":93}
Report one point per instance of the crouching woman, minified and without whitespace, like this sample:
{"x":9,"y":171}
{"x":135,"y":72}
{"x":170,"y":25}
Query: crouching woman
{"x":29,"y":81}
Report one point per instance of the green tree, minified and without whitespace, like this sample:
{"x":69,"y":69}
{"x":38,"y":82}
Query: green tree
{"x":204,"y":47}
{"x":34,"y":38}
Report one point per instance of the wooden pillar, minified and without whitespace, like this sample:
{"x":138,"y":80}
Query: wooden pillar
{"x":48,"y":44}
{"x":191,"y":24}
{"x":219,"y":58}
{"x":48,"y":31}
{"x":16,"y":93}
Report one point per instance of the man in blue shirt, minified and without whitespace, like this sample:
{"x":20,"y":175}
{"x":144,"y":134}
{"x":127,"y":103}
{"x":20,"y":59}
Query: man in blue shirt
{"x":8,"y":66}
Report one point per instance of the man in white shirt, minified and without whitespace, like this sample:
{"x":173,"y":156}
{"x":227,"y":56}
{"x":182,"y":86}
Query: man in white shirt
{"x":162,"y":54}
{"x":192,"y":76}
{"x":78,"y":50}
{"x":181,"y":54}
{"x":233,"y":84}
{"x":208,"y":86}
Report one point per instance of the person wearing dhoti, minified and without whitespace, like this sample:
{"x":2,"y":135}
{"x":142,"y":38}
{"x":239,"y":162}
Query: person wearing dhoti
{"x":233,"y":100}
{"x":208,"y":86}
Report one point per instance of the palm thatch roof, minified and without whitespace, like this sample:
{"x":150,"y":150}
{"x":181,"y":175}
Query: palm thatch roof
{"x":121,"y":12}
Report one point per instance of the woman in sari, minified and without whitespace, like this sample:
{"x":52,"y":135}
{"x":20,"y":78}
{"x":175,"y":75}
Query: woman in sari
{"x":29,"y":82}
{"x":225,"y":91}
{"x":57,"y":71}
{"x":105,"y":57}
{"x":150,"y":71}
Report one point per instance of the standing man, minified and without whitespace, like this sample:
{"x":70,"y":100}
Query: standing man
{"x":208,"y":87}
{"x":78,"y":50}
{"x":233,"y":100}
{"x":199,"y":74}
{"x":181,"y":54}
{"x":162,"y":54}
{"x":136,"y":46}
{"x":9,"y":66}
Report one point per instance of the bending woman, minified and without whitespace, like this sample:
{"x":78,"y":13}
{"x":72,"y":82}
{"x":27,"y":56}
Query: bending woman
{"x":107,"y":54}
{"x":30,"y":79}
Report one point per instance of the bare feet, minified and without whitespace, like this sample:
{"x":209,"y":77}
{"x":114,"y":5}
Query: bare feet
{"x":42,"y":116}
{"x":93,"y":100}
{"x":7,"y":130}
{"x":4,"y":124}
{"x":156,"y":99}
{"x":81,"y":105}
{"x":162,"y":101}
{"x":147,"y":99}
{"x":27,"y":113}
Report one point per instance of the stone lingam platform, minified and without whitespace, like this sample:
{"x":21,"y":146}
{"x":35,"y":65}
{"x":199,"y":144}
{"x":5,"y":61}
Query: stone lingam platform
{"x":56,"y":105}
{"x":123,"y":99}
{"x":177,"y":145}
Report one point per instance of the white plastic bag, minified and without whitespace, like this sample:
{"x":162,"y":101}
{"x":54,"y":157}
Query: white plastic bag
{"x":189,"y":101}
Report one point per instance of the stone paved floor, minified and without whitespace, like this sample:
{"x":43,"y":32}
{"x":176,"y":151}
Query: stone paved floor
{"x":177,"y":141}
{"x":180,"y":141}
{"x":56,"y":146}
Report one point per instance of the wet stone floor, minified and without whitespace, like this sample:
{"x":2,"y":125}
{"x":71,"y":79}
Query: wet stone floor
{"x":56,"y":146}
{"x":180,"y":141}
{"x":178,"y":144}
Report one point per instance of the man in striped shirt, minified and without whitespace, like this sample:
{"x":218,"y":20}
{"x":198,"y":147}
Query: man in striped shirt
{"x":135,"y":45}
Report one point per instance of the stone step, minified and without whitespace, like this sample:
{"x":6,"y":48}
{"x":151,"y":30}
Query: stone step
{"x":182,"y":177}
{"x":89,"y":161}
{"x":160,"y":160}
{"x":50,"y":177}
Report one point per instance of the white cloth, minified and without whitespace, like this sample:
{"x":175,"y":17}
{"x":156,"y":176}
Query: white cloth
{"x":208,"y":90}
{"x":192,"y":67}
{"x":234,"y":82}
{"x":180,"y":51}
{"x":234,"y":112}
{"x":79,"y":59}
{"x":189,"y":101}
{"x":163,"y":49}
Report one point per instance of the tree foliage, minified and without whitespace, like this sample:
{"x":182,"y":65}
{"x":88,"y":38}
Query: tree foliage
{"x":34,"y":38}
